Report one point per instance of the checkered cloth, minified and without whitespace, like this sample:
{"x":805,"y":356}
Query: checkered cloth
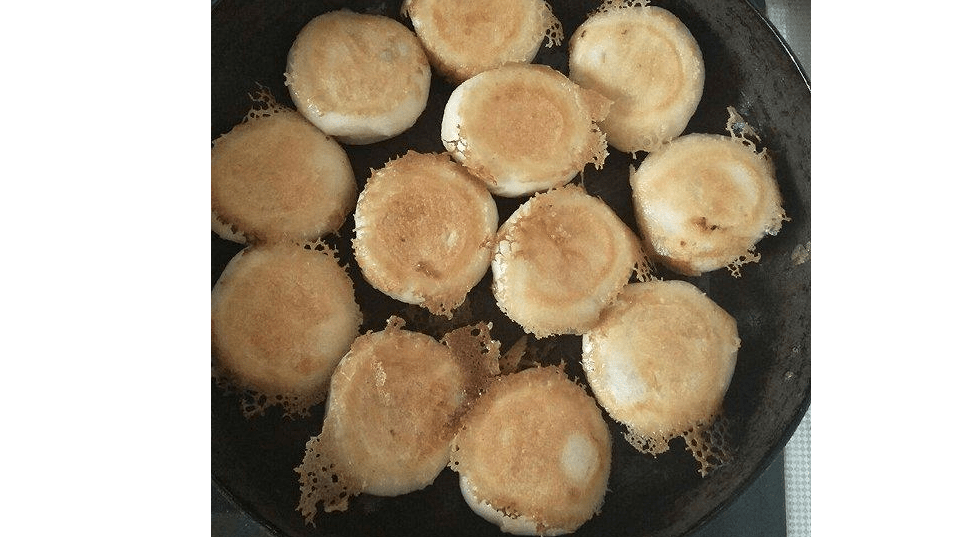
{"x":798,"y":480}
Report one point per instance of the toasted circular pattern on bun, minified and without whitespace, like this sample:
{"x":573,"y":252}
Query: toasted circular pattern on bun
{"x":522,"y":128}
{"x":533,"y":454}
{"x":704,"y":201}
{"x":463,"y":38}
{"x":647,"y":62}
{"x":559,"y":259}
{"x":424,"y":231}
{"x":282,"y":317}
{"x":661,"y":360}
{"x":360,"y":78}
{"x":393,"y":410}
{"x":276,"y":177}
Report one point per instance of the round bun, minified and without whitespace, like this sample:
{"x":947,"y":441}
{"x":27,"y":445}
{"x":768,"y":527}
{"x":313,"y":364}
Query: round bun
{"x":704,"y":201}
{"x":559,"y":260}
{"x":282,"y":317}
{"x":523,"y":128}
{"x":661,"y":359}
{"x":360,"y":78}
{"x":391,"y":416}
{"x":463,"y":39}
{"x":277,"y":177}
{"x":647,"y":62}
{"x":424,"y":231}
{"x":538,"y":472}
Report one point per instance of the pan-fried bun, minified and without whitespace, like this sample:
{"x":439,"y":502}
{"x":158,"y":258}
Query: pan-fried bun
{"x":559,"y":260}
{"x":424,"y":231}
{"x":533,"y":454}
{"x":282,"y":317}
{"x":360,"y":78}
{"x":277,"y":177}
{"x":704,"y":201}
{"x":467,"y":37}
{"x":661,"y":360}
{"x":647,"y":62}
{"x":393,"y":410}
{"x":522,"y":128}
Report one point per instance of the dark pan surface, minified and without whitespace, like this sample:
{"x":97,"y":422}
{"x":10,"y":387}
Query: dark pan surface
{"x":748,"y":68}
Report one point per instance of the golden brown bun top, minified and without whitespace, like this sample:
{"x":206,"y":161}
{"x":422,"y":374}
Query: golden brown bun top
{"x":355,"y":64}
{"x":569,"y":238}
{"x":278,"y":178}
{"x":561,"y":257}
{"x":396,"y":393}
{"x":535,"y":119}
{"x":395,"y":404}
{"x":464,"y":38}
{"x":652,"y":38}
{"x":425,"y":226}
{"x":704,"y":201}
{"x":282,"y":317}
{"x":524,"y":127}
{"x":647,"y":62}
{"x":661,"y":358}
{"x":536,"y":445}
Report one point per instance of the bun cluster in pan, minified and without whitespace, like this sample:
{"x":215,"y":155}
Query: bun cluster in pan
{"x":530,"y":445}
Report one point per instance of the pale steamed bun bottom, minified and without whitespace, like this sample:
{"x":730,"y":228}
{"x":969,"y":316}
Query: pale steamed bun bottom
{"x":660,"y":362}
{"x":424,"y":231}
{"x":392,"y":413}
{"x":463,"y":39}
{"x":282,"y":317}
{"x":541,"y":472}
{"x":704,"y":201}
{"x":360,"y":78}
{"x":647,"y":62}
{"x":523,"y":128}
{"x":275,"y":177}
{"x":560,"y":258}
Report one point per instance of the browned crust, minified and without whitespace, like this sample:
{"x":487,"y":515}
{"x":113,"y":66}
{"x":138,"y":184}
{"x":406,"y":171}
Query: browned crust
{"x":395,"y":405}
{"x":523,"y":128}
{"x":353,"y":63}
{"x":559,"y":259}
{"x":647,"y":62}
{"x":463,"y":39}
{"x":278,"y":178}
{"x":678,"y":344}
{"x":424,"y":230}
{"x":282,"y":317}
{"x":712,"y":217}
{"x":511,"y":442}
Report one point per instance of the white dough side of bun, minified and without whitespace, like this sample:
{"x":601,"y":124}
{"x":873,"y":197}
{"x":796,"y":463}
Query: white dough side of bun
{"x":520,"y":525}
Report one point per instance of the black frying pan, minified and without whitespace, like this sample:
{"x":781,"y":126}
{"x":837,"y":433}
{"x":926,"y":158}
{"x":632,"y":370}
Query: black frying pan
{"x":748,"y":68}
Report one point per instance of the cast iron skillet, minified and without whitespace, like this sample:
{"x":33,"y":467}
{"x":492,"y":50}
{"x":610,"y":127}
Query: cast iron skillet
{"x":748,"y":68}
